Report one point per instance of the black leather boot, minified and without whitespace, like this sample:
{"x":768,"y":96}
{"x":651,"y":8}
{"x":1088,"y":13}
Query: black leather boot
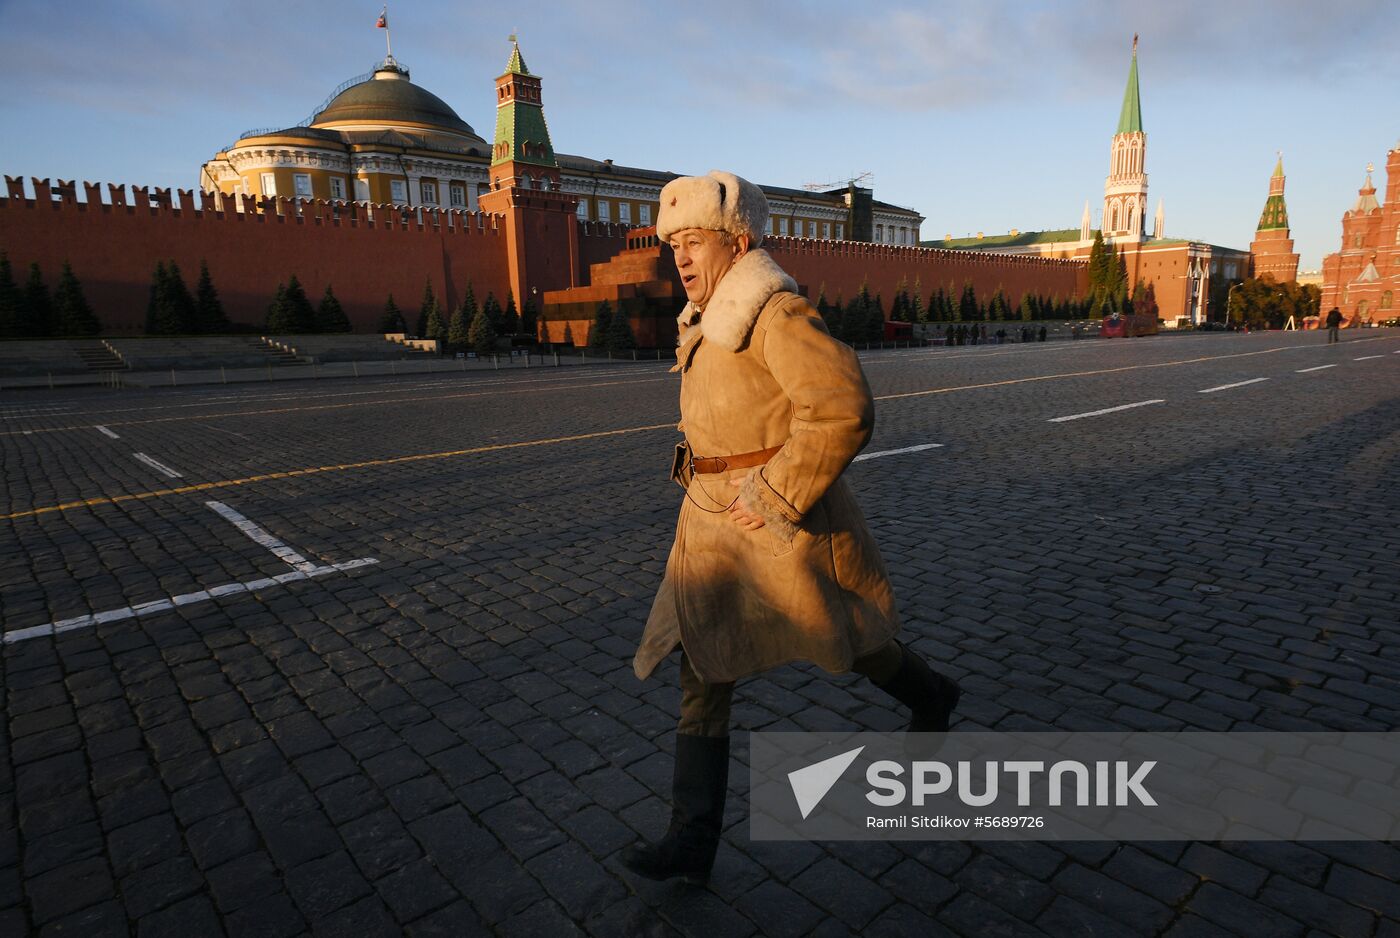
{"x":697,"y":815}
{"x":930,"y":695}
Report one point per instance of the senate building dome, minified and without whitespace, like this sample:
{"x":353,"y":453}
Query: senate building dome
{"x":389,"y":99}
{"x":377,"y":138}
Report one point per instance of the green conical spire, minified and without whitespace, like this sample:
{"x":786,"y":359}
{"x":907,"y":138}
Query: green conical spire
{"x":516,"y":65}
{"x":1278,"y":169}
{"x":1130,"y":119}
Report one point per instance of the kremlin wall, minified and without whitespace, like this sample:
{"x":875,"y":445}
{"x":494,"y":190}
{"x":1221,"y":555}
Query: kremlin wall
{"x":366,"y":252}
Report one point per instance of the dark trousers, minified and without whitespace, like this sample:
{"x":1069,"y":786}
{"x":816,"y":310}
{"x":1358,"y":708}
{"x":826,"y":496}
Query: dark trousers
{"x":705,"y":707}
{"x":1332,"y":335}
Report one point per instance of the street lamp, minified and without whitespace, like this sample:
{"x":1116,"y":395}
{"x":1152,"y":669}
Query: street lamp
{"x":1230,"y":302}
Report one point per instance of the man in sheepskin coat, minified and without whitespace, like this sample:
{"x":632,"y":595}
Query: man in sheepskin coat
{"x":772,"y":560}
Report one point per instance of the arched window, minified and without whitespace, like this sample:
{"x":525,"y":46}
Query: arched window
{"x":1113,"y":218}
{"x":525,"y":180}
{"x":1387,"y":299}
{"x":1132,"y":215}
{"x":1363,"y":309}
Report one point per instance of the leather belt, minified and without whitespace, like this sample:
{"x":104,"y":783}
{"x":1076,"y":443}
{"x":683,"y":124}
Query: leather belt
{"x":706,"y":465}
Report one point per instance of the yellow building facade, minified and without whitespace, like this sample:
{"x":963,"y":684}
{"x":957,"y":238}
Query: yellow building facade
{"x":381,"y":139}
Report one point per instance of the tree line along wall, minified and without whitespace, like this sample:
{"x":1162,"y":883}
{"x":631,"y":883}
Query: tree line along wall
{"x":842,"y":266}
{"x":364,"y":252}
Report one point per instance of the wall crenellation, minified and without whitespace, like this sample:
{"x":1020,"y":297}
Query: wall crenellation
{"x":239,"y":208}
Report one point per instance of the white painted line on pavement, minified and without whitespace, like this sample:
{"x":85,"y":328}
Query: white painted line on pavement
{"x":104,"y":431}
{"x":1106,"y":410}
{"x":157,"y":465}
{"x":1237,"y":384}
{"x":184,"y":599}
{"x":1314,"y":368}
{"x":1367,"y":358}
{"x":895,"y":452}
{"x":261,"y":536}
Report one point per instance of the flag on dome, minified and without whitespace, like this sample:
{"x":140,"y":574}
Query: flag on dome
{"x":383,"y":21}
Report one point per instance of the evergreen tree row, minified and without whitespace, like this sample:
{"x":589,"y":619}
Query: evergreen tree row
{"x":469,"y":326}
{"x":32,"y":312}
{"x":172,"y":310}
{"x":860,"y":321}
{"x":291,"y":312}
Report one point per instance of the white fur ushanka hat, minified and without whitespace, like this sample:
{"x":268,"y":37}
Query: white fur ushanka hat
{"x":719,"y":201}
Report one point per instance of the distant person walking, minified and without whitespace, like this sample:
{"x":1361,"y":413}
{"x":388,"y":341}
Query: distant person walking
{"x":1334,"y":323}
{"x":1042,"y":333}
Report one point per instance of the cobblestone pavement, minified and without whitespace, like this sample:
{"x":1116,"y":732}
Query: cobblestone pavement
{"x":450,"y":741}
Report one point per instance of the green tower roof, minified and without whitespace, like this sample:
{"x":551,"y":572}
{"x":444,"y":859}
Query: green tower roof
{"x":520,"y":124}
{"x":1130,"y":118}
{"x":516,"y":65}
{"x":1275,"y":214}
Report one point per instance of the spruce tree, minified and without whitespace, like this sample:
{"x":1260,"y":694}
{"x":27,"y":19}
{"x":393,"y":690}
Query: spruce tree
{"x":429,"y":301}
{"x":278,"y":319}
{"x":620,"y":336}
{"x":330,"y":316}
{"x":209,"y":312}
{"x":156,"y":301}
{"x":602,"y":324}
{"x":392,"y":319}
{"x":875,"y":321}
{"x":181,"y":308}
{"x":529,"y":318}
{"x":1099,"y":272}
{"x":568,"y":340}
{"x":832,"y":317}
{"x":967,"y":303}
{"x":435,"y":327}
{"x":458,"y":327}
{"x":301,"y":316}
{"x":899,"y":307}
{"x":10,"y":303}
{"x":492,"y":308}
{"x":510,"y":318}
{"x":1027,"y":308}
{"x":73,"y":315}
{"x":482,"y":333}
{"x":917,"y":311}
{"x":37,"y":306}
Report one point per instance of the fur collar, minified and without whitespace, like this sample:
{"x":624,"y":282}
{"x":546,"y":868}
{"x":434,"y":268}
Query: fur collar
{"x":746,"y":287}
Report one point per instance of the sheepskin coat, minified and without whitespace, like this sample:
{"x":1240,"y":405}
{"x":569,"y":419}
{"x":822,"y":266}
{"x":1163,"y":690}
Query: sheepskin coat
{"x":759,"y":370}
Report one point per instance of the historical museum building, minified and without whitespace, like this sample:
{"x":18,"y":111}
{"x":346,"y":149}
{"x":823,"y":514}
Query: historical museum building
{"x":1184,"y":272}
{"x":1363,"y":277}
{"x":380,"y":138}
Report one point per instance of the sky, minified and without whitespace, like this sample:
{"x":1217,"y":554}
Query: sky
{"x":983,"y":116}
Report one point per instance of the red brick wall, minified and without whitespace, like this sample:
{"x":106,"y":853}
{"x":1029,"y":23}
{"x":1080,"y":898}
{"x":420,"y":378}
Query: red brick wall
{"x":114,"y":248}
{"x":598,"y":243}
{"x":843,"y":265}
